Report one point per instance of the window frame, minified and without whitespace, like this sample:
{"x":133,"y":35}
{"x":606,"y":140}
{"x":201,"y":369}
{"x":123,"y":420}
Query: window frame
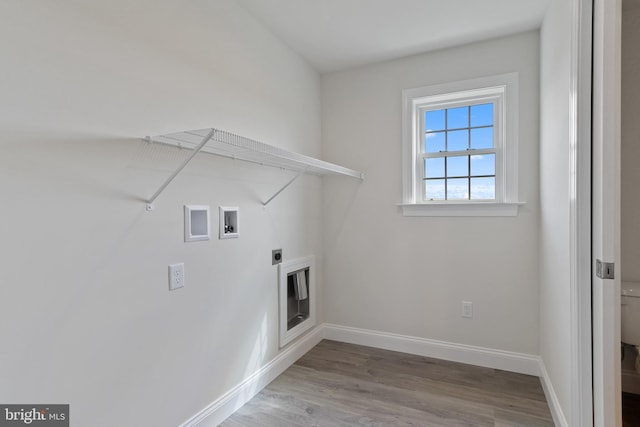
{"x":503,"y":90}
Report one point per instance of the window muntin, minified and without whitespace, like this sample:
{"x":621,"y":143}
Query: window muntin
{"x":458,"y":152}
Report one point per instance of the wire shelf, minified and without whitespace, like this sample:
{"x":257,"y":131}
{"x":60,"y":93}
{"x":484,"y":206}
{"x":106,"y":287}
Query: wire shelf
{"x":227,"y":144}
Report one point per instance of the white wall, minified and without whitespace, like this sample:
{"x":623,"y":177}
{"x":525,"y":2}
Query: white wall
{"x":630,"y":147}
{"x":86,"y":317}
{"x":396,"y":274}
{"x":555,"y":304}
{"x":630,"y":209}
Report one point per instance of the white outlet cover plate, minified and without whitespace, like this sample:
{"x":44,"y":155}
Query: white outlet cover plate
{"x":176,"y":276}
{"x":467,"y":309}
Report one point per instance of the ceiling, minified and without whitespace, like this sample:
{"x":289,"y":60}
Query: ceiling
{"x":338,"y":34}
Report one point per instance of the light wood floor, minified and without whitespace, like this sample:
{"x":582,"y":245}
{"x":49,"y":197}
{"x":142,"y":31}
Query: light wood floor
{"x":338,"y":384}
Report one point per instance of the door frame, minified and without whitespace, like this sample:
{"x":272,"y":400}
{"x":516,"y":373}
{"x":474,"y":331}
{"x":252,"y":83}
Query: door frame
{"x":580,"y":212}
{"x":607,"y":390}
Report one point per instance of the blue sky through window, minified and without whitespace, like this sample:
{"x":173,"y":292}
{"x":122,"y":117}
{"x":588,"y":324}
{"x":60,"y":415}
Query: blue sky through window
{"x":435,"y":120}
{"x":459,"y":177}
{"x":435,"y":142}
{"x":461,"y":188}
{"x":458,"y":118}
{"x":457,"y":140}
{"x":457,"y":166}
{"x":483,"y":164}
{"x":482,"y":115}
{"x":460,"y":128}
{"x":482,"y":138}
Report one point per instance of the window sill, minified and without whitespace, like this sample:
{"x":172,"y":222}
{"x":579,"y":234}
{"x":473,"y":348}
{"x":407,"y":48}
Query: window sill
{"x":461,"y":209}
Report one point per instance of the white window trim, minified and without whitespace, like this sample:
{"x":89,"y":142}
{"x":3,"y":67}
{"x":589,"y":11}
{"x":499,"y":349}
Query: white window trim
{"x":506,"y":203}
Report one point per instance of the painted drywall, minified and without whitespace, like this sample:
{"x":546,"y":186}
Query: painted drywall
{"x":408,"y":276}
{"x":86,"y":317}
{"x":555,"y":304}
{"x":630,"y":203}
{"x":630,"y":147}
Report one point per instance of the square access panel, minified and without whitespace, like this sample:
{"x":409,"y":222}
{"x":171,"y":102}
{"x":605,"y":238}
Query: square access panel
{"x":196,"y":223}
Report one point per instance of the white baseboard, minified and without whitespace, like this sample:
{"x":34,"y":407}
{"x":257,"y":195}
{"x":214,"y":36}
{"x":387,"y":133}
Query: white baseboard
{"x":479,"y":356}
{"x":227,"y":404}
{"x":552,"y":399}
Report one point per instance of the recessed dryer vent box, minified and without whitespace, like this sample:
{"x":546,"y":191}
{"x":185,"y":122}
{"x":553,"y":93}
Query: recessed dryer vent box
{"x":196,"y":223}
{"x":297,"y":298}
{"x":229,"y":223}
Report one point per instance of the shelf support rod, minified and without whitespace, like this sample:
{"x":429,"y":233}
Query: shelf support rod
{"x":285,"y":187}
{"x":177,"y":171}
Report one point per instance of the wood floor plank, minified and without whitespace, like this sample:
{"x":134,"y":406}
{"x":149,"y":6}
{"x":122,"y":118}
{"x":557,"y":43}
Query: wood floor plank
{"x":380,"y":399}
{"x":338,"y":384}
{"x":516,"y":419}
{"x":446,"y":381}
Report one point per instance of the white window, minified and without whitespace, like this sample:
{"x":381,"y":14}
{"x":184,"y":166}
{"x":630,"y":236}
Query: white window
{"x":460,"y":148}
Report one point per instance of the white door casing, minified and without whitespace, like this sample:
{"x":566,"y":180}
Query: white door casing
{"x":580,"y":213}
{"x":606,"y":211}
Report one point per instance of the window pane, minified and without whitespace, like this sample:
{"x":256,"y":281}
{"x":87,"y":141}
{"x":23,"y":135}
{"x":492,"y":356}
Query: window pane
{"x":457,"y":140}
{"x":434,"y":189}
{"x":482,"y":138}
{"x":434,"y":142}
{"x":483,"y":164}
{"x":434,"y":120}
{"x":458,"y":189}
{"x":458,"y":118}
{"x":458,"y":166}
{"x":483,"y":188}
{"x":482,"y":115}
{"x":434,"y":168}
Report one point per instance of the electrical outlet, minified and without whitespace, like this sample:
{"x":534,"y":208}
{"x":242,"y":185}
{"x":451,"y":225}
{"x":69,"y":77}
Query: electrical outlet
{"x":276,"y":256}
{"x":176,"y":276}
{"x":467,"y":309}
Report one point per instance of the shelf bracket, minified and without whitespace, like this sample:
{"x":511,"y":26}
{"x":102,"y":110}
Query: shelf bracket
{"x":177,"y":171}
{"x":285,"y":187}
